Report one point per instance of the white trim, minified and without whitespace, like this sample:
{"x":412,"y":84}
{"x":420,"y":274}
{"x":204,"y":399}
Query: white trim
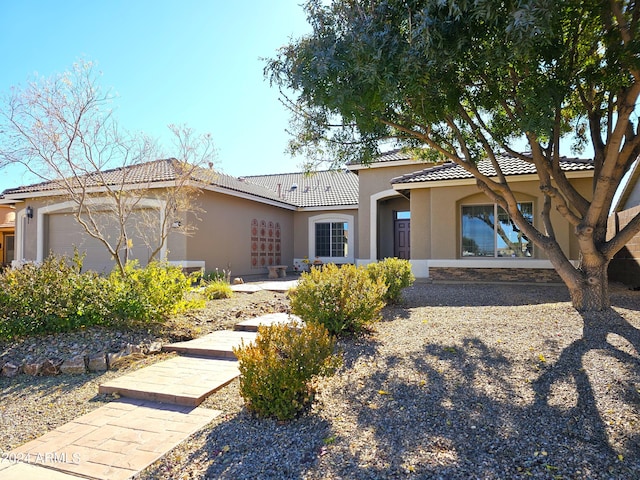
{"x":373,"y":219}
{"x":420,"y":268}
{"x":19,"y":196}
{"x":21,"y":216}
{"x":390,"y":163}
{"x":327,"y":207}
{"x":72,"y":205}
{"x":332,"y":217}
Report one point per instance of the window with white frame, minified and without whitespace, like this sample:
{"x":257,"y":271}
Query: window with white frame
{"x":330,"y":239}
{"x":488,"y":231}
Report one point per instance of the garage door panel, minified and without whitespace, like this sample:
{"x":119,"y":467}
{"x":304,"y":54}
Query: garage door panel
{"x":65,"y":233}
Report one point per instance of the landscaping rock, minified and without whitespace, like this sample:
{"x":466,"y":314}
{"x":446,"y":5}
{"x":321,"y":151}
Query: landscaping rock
{"x":51,"y":366}
{"x":74,"y":366}
{"x":154,"y":347}
{"x":97,"y":363}
{"x":131,"y":349}
{"x":10,"y":369}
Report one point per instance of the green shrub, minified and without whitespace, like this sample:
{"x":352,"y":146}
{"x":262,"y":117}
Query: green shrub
{"x":56,"y":296}
{"x":51,"y":297}
{"x":343,"y":299}
{"x":217,"y":289}
{"x":148,"y":294}
{"x":276,"y":371}
{"x":396,"y":274}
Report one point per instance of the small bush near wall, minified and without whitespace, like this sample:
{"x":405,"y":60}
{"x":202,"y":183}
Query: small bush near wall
{"x":55,"y":296}
{"x":51,"y":297}
{"x":343,"y":299}
{"x":276,"y":371}
{"x":148,"y":294}
{"x":396,"y":274}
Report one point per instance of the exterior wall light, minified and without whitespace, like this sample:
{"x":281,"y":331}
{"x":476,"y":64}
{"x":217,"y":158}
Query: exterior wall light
{"x":29,"y":211}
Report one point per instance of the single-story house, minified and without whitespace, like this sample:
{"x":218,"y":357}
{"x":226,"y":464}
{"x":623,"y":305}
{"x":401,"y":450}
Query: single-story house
{"x":435,"y":216}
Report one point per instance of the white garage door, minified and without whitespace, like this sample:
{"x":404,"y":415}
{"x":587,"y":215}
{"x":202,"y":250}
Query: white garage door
{"x":65,"y":233}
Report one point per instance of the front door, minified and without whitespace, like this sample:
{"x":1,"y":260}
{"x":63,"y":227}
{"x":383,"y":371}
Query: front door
{"x":402,"y":244}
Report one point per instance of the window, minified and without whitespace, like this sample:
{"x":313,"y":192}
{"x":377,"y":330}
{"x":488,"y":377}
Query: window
{"x":332,"y":239}
{"x":488,"y":231}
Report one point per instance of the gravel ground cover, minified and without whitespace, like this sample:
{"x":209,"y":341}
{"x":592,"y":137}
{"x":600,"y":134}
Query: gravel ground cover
{"x":458,"y":381}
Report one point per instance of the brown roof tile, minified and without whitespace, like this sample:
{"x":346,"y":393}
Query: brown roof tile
{"x":508,"y":164}
{"x":319,"y":189}
{"x":327,"y":188}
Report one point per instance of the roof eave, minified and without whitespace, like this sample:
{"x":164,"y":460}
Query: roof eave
{"x":393,"y":163}
{"x":472,"y":181}
{"x":249,"y":196}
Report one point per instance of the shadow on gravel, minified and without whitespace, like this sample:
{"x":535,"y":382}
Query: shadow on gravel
{"x":269,"y":449}
{"x":608,"y":335}
{"x":471,"y":417}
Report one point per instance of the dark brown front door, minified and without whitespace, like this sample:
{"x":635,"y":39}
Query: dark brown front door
{"x":402,"y":244}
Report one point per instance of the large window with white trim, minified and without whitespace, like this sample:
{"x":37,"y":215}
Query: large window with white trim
{"x":488,"y":231}
{"x":332,"y":239}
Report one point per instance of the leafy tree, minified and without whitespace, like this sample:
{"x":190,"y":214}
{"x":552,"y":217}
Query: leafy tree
{"x":468,"y":79}
{"x":62,"y":130}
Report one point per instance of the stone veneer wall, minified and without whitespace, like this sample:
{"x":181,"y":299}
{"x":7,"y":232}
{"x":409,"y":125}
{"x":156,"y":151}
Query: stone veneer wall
{"x":537,"y":275}
{"x":625,"y":266}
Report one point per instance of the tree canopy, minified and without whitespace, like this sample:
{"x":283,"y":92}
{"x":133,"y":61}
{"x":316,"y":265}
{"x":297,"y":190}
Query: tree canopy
{"x":471,"y":79}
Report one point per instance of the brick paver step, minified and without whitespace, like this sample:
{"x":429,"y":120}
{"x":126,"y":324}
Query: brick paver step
{"x":252,"y":324}
{"x":216,"y":344}
{"x":180,"y":380}
{"x":113,"y":442}
{"x":16,"y":470}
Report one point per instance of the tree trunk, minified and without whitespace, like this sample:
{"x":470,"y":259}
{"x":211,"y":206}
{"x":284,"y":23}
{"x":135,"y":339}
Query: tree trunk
{"x":591,"y":291}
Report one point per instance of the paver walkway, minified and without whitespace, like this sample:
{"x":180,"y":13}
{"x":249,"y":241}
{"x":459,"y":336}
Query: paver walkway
{"x":157,"y":412}
{"x":114,"y":442}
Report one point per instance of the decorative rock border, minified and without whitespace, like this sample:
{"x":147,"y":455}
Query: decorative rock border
{"x":76,"y":365}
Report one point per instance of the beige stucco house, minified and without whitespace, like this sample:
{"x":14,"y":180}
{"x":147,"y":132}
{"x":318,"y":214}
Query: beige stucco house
{"x":433,"y":215}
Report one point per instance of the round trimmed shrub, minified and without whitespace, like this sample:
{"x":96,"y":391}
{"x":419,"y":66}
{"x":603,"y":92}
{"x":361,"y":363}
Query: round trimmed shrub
{"x":343,"y":299}
{"x":276,"y":371}
{"x":396,"y":274}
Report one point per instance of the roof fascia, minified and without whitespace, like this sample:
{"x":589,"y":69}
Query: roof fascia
{"x":127,"y":187}
{"x":249,"y":196}
{"x":472,"y":181}
{"x":393,"y":163}
{"x":327,"y":207}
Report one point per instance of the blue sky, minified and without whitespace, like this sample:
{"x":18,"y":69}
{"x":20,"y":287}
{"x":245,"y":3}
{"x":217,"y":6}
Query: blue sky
{"x":170,"y":61}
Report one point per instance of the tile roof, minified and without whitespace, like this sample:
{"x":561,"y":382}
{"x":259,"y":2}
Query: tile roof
{"x":327,"y":188}
{"x":319,"y":189}
{"x":149,"y":172}
{"x":508,"y":164}
{"x":396,"y":155}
